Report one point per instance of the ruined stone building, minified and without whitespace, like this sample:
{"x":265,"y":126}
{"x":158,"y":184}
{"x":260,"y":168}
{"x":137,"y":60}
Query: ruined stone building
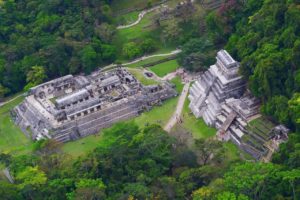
{"x":221,"y":81}
{"x":219,"y":96}
{"x":71,"y":107}
{"x":240,"y":122}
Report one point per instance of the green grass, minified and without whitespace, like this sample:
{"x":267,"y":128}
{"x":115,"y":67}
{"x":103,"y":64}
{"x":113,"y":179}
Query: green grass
{"x":144,"y":29}
{"x":178,"y":84}
{"x":138,"y":30}
{"x":196,"y":126}
{"x":159,"y":114}
{"x":165,"y":68}
{"x":139,"y":75}
{"x":232,"y":152}
{"x":82,"y":146}
{"x":127,"y":18}
{"x":12,"y":139}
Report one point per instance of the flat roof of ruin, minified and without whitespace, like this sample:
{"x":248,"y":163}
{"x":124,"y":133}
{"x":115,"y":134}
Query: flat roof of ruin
{"x":225,"y":57}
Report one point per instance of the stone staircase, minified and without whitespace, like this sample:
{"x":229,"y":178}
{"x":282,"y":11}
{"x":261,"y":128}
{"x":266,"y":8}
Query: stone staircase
{"x":221,"y":132}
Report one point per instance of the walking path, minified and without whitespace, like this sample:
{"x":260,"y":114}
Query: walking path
{"x":173,"y":120}
{"x":152,"y":56}
{"x":169,"y":76}
{"x":144,"y":58}
{"x":10,"y":100}
{"x":141,"y":15}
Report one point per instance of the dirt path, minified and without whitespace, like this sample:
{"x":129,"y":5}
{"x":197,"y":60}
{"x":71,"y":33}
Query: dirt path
{"x":6,"y":102}
{"x":152,"y":56}
{"x":140,"y":17}
{"x":143,"y":58}
{"x":173,"y":120}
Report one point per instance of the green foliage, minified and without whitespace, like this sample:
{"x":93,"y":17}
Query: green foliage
{"x":58,"y":35}
{"x":277,"y":107}
{"x":35,"y":76}
{"x":3,"y":91}
{"x":230,"y":196}
{"x":9,"y":191}
{"x":172,"y":31}
{"x":289,"y":152}
{"x":148,"y":46}
{"x":294,"y":108}
{"x":31,"y":176}
{"x":197,"y":54}
{"x":88,"y":58}
{"x":131,"y":50}
{"x":209,"y":151}
{"x":264,"y":37}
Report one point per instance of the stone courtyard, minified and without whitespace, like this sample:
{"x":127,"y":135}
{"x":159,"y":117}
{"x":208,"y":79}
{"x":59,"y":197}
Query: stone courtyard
{"x":72,"y":107}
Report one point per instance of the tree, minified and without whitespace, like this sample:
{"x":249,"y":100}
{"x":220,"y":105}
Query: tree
{"x":129,"y":156}
{"x":108,"y":52}
{"x":277,"y":107}
{"x":105,"y":32}
{"x":291,"y":177}
{"x":87,"y":189}
{"x":35,"y":76}
{"x":252,"y":179}
{"x":131,"y":50}
{"x":197,"y":54}
{"x":88,"y":58}
{"x":9,"y":191}
{"x":31,"y":176}
{"x":148,"y":46}
{"x":208,"y":151}
{"x":172,"y":31}
{"x":203,"y":193}
{"x":3,"y":91}
{"x":294,"y":108}
{"x":197,"y":61}
{"x":230,"y":196}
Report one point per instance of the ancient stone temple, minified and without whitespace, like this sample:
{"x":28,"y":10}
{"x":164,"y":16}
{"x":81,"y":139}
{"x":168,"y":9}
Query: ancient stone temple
{"x":221,"y":81}
{"x":71,"y":107}
{"x":219,"y":96}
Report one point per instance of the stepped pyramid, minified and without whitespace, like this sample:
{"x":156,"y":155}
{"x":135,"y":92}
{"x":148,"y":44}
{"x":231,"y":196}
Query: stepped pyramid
{"x":221,"y":81}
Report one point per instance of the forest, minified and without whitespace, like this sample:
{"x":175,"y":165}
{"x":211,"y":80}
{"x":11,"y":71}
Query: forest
{"x":41,"y":40}
{"x":147,"y":163}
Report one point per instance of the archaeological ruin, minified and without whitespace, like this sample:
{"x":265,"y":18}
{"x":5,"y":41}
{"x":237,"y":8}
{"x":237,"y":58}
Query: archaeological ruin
{"x":220,"y":97}
{"x":72,"y":107}
{"x":221,"y":81}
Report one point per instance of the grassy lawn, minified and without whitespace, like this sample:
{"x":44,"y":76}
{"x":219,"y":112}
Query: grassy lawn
{"x":140,"y":76}
{"x":144,"y":29}
{"x":159,"y":114}
{"x":127,"y":18}
{"x":165,"y":68}
{"x":82,"y":146}
{"x":196,"y":126}
{"x":178,"y":84}
{"x":138,"y":30}
{"x":232,"y":152}
{"x":11,"y":137}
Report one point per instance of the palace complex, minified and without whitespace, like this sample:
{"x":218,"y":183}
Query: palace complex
{"x":72,"y":107}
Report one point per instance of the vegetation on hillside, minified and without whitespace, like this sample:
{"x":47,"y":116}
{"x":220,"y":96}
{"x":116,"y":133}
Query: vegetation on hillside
{"x":138,"y":160}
